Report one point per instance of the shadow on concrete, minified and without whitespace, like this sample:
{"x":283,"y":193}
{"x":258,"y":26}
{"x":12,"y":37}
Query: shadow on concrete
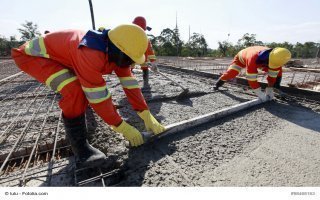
{"x":297,"y":114}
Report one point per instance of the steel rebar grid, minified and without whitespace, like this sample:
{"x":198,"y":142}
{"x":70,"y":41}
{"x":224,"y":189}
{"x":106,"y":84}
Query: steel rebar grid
{"x":23,"y":132}
{"x":22,"y":180}
{"x":52,"y":160}
{"x":23,"y":100}
{"x":13,"y":94}
{"x":4,"y":135}
{"x":101,"y":176}
{"x":14,"y":177}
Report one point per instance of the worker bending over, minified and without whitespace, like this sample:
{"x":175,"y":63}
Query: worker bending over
{"x":253,"y":58}
{"x":72,"y":63}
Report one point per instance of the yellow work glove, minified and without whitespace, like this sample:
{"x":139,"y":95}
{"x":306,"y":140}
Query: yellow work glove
{"x":151,"y":123}
{"x":130,"y":133}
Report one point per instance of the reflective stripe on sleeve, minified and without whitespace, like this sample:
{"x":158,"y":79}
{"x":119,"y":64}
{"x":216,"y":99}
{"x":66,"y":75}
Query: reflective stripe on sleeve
{"x":36,"y":47}
{"x":129,"y":82}
{"x":152,"y":57}
{"x":97,"y":95}
{"x":251,"y":77}
{"x":235,"y":67}
{"x":273,"y":73}
{"x":60,"y":79}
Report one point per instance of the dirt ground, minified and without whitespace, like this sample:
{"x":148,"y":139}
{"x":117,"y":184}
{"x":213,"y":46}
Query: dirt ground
{"x":274,"y":144}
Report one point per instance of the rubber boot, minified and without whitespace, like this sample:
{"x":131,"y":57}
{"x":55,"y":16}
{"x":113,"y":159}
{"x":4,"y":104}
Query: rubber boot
{"x":218,"y":84}
{"x":85,"y":154}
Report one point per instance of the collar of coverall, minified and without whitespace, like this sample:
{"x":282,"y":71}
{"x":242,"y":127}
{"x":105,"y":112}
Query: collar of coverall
{"x":263,"y":57}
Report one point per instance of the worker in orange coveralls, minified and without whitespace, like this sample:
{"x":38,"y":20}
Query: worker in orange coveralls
{"x":72,"y":63}
{"x":150,"y":55}
{"x":253,"y":58}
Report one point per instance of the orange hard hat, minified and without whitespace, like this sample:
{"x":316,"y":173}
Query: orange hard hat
{"x":141,"y":21}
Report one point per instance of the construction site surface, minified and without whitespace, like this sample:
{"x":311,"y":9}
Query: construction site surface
{"x":275,"y":143}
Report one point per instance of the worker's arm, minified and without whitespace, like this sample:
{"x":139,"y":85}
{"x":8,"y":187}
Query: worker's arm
{"x":89,"y":64}
{"x":252,"y":76}
{"x":131,"y":88}
{"x":272,"y":76}
{"x":272,"y":79}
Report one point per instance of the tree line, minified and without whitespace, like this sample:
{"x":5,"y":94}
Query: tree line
{"x":298,"y":50}
{"x":169,"y":43}
{"x":28,"y":31}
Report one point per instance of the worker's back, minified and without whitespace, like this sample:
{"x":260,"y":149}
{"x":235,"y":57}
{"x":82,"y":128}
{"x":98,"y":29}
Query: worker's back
{"x":249,"y":55}
{"x":62,"y":45}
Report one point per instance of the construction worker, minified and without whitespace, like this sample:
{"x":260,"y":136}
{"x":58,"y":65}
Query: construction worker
{"x":72,"y":63}
{"x":149,"y":54}
{"x":251,"y":59}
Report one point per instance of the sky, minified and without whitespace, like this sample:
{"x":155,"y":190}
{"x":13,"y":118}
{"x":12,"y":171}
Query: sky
{"x":271,"y":20}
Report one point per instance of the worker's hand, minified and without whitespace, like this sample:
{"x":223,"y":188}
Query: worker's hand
{"x":262,"y":96}
{"x":269,"y":93}
{"x":130,"y":133}
{"x":151,"y":123}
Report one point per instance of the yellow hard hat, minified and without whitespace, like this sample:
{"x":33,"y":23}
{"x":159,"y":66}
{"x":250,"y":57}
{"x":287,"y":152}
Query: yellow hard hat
{"x":278,"y":57}
{"x":131,"y":40}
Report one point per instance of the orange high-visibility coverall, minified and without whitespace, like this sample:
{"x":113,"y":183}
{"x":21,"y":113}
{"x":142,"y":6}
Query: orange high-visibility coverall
{"x":150,"y":56}
{"x":76,"y":73}
{"x":246,"y":58}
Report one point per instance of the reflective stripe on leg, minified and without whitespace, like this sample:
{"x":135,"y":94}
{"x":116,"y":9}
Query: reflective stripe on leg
{"x":60,"y":79}
{"x":129,"y":82}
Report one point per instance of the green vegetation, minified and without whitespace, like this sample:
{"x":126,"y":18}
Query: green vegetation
{"x":298,"y":50}
{"x":169,"y":43}
{"x":28,"y":31}
{"x":197,"y":46}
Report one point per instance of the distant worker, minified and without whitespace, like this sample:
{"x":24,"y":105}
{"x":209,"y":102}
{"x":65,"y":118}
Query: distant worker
{"x":251,"y":59}
{"x":149,"y":54}
{"x":72,"y":63}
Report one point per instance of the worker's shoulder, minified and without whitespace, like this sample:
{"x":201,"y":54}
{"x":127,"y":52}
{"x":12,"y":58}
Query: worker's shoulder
{"x":66,"y":35}
{"x":256,"y":48}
